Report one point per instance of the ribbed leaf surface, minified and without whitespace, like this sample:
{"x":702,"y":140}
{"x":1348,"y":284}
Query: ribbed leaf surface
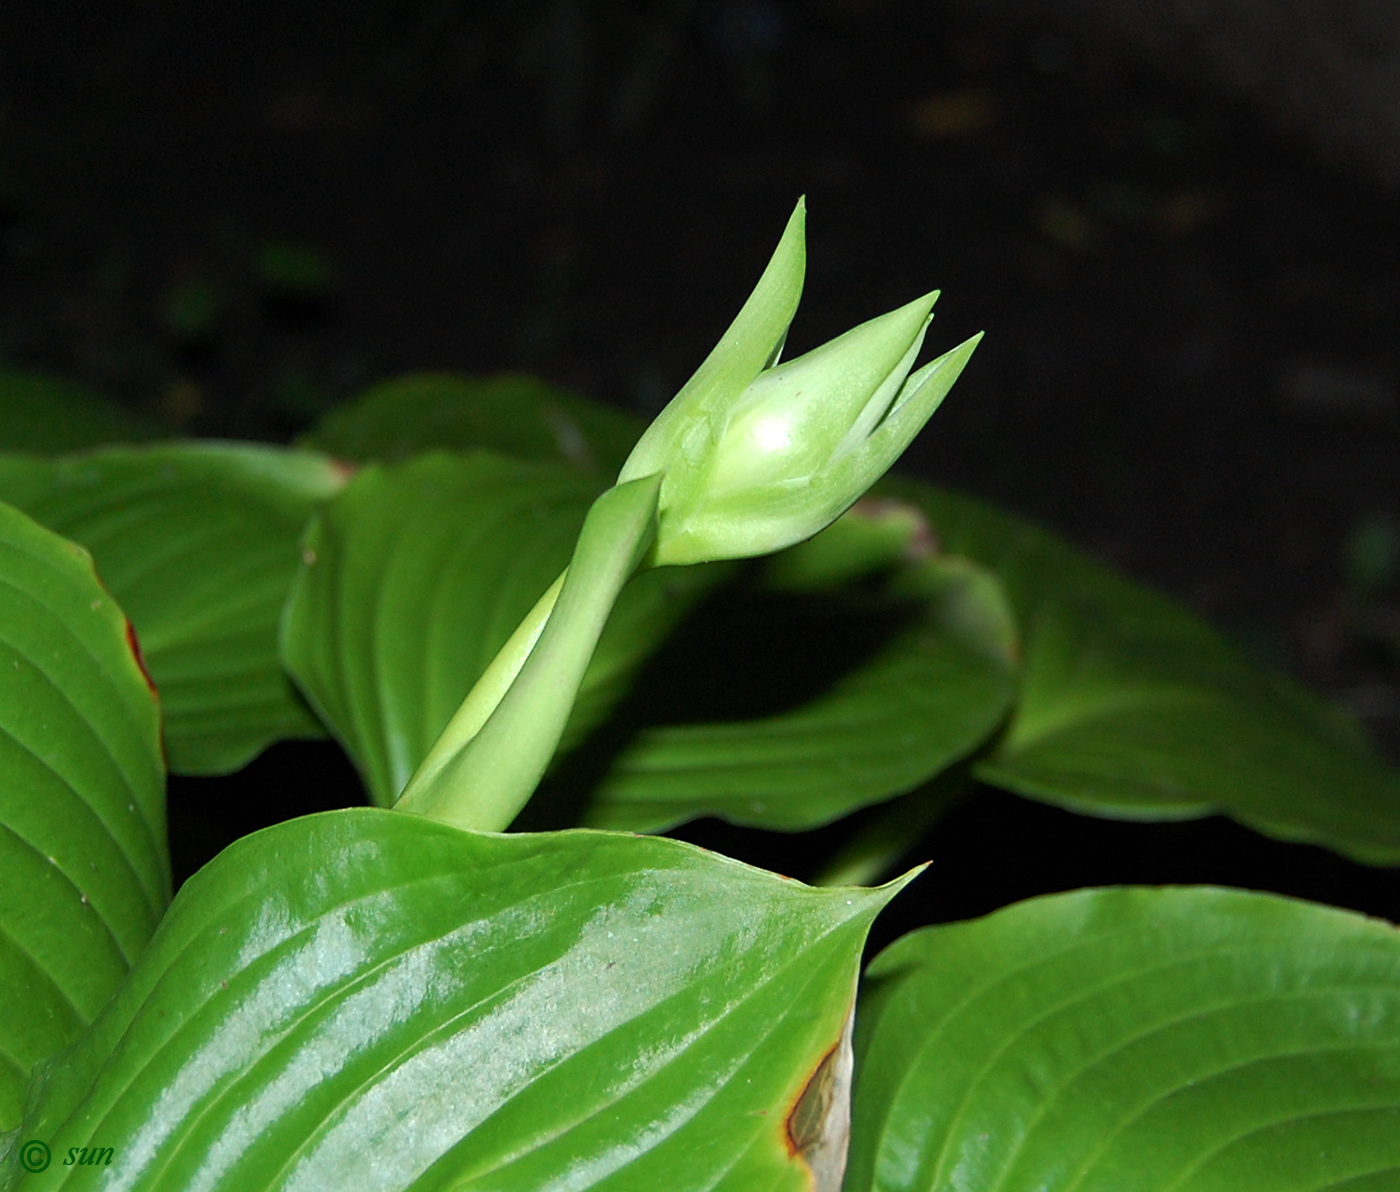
{"x":1134,"y":1040}
{"x":1132,"y":707}
{"x":926,"y":699}
{"x":365,"y":999}
{"x":84,"y":874}
{"x":199,"y":543}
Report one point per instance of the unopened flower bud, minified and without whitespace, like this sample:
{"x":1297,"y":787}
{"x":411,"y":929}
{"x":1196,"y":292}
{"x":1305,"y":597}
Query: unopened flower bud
{"x":756,"y":456}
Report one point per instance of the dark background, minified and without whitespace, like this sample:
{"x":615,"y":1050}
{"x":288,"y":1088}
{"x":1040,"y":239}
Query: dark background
{"x":233,"y":216}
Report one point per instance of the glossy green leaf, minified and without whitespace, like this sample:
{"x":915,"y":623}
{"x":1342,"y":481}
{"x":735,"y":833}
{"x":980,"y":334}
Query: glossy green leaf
{"x":84,"y":874}
{"x":199,"y":543}
{"x":512,"y":413}
{"x":1133,"y":1040}
{"x":1132,"y":707}
{"x":47,"y":415}
{"x":370,"y":1000}
{"x":930,"y":696}
{"x":419,"y":572}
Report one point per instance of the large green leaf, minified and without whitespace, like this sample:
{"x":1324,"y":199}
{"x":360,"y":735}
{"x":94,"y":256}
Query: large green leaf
{"x":370,"y":1000}
{"x":1132,"y":707}
{"x":84,"y":874}
{"x":418,"y":573}
{"x":46,"y":415}
{"x":1134,"y":1040}
{"x":930,"y":696}
{"x":199,"y":543}
{"x":511,"y":413}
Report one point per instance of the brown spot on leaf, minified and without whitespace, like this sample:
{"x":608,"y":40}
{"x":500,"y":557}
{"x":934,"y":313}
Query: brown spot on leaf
{"x":817,"y":1130}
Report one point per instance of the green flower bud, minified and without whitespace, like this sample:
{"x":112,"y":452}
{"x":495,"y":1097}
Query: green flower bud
{"x":756,"y":456}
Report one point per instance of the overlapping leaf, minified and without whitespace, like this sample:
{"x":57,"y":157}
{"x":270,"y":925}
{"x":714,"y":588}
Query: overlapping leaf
{"x":1134,"y":1040}
{"x":199,"y":543}
{"x":1132,"y":707}
{"x":84,"y":874}
{"x":365,"y":999}
{"x":929,"y":697}
{"x":46,"y":415}
{"x":514,"y":414}
{"x":416,"y":576}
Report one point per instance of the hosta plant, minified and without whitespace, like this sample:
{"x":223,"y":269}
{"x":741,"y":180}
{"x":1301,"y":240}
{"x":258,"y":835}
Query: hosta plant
{"x":475,"y":588}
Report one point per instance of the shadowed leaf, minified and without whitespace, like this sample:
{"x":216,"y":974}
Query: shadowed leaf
{"x":47,"y":415}
{"x":927,"y":698}
{"x":1132,"y":707}
{"x":199,"y":543}
{"x":511,"y":413}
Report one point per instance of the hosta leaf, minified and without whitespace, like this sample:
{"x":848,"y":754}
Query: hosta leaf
{"x":512,"y":413}
{"x":369,"y":1000}
{"x":929,"y":697}
{"x":84,"y":874}
{"x":46,"y":415}
{"x":1132,"y":707}
{"x":419,"y":572}
{"x":1134,"y":1040}
{"x":199,"y":543}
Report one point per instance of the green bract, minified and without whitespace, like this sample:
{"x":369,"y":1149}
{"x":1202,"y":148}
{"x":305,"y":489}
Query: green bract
{"x":756,"y":456}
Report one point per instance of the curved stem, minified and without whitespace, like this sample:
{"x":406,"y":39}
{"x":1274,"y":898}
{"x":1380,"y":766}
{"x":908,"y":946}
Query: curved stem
{"x":484,"y":782}
{"x":487,"y":692}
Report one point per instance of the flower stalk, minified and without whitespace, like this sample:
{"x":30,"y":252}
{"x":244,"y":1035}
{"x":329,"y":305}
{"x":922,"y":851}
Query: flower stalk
{"x":750,"y":457}
{"x":483,"y":783}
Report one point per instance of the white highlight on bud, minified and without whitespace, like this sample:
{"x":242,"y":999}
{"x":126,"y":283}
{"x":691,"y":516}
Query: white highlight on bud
{"x":756,"y":456}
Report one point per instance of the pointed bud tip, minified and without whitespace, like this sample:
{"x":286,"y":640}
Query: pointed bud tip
{"x":969,"y":345}
{"x":922,"y":306}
